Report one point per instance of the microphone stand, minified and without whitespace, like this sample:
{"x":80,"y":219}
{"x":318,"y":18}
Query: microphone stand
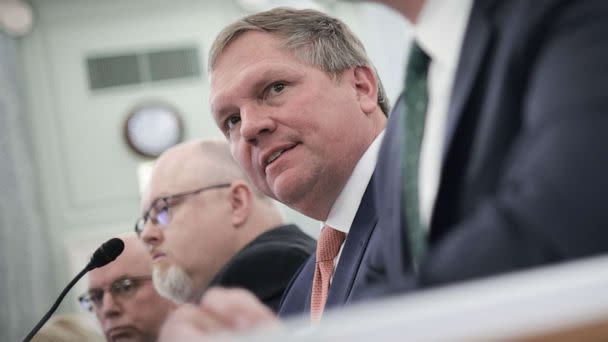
{"x":105,"y":254}
{"x":56,"y":305}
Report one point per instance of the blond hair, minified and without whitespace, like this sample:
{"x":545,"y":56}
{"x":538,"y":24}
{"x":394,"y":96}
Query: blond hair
{"x":67,"y":328}
{"x":312,"y":36}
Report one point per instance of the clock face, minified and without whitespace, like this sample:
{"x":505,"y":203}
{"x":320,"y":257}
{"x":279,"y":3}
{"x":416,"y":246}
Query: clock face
{"x":152,"y":128}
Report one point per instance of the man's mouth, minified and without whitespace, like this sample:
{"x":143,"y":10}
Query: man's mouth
{"x":157,"y":256}
{"x":120,"y":333}
{"x":276,"y":154}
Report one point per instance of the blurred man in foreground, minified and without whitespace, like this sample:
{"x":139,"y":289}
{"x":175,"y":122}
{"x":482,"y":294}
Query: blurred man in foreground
{"x":491,"y":160}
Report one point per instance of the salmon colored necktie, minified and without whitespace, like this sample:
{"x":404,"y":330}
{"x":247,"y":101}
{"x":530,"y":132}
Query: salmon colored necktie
{"x":328,"y":247}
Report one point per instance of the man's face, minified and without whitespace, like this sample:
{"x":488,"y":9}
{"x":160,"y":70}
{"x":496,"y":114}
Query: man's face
{"x":295,"y":131}
{"x":198,"y":240}
{"x":138,"y":314}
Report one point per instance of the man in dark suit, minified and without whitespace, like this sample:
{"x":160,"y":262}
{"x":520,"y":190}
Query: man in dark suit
{"x":518,"y":171}
{"x":205,"y":224}
{"x":303,"y":110}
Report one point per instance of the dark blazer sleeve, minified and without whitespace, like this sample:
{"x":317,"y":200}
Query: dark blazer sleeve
{"x":266,"y":266}
{"x":296,"y":299}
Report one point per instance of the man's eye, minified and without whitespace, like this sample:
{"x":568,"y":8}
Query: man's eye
{"x":162,"y":217}
{"x":273,"y":90}
{"x":278,"y":87}
{"x":125,"y":286}
{"x":96,"y":296}
{"x":232,"y":121}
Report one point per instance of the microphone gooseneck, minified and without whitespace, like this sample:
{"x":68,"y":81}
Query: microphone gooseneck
{"x":105,"y":254}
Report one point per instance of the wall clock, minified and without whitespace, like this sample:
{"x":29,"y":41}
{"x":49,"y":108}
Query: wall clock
{"x":152,"y":127}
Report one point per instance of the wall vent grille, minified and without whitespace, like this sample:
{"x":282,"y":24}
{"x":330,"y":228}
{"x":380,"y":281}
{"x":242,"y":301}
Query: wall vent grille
{"x":143,"y":67}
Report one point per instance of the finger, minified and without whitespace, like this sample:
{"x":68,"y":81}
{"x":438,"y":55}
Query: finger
{"x":184,"y":323}
{"x":237,"y":309}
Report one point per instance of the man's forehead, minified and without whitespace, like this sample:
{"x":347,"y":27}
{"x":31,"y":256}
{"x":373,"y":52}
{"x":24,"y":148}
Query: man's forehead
{"x":249,"y":80}
{"x":104,"y":277}
{"x":250,"y":49}
{"x":179,"y":172}
{"x":250,"y":45}
{"x":104,"y":280}
{"x":134,"y":261}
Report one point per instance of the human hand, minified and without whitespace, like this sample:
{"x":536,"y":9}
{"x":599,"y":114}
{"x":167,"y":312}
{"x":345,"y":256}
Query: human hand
{"x":233,"y":309}
{"x":220,"y":310}
{"x":183,"y":324}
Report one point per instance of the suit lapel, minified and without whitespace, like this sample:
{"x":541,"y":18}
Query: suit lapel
{"x":310,"y":273}
{"x":296,"y":299}
{"x":354,"y":249}
{"x":474,"y":47}
{"x":389,"y":187}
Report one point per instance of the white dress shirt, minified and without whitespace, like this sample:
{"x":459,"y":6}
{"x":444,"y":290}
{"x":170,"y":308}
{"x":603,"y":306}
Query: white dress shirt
{"x":342,"y":213}
{"x":439,"y":31}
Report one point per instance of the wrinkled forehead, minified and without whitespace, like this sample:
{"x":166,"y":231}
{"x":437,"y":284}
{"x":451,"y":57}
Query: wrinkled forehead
{"x":249,"y":48}
{"x":248,"y":63}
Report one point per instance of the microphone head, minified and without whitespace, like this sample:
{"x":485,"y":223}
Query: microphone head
{"x":106,"y":253}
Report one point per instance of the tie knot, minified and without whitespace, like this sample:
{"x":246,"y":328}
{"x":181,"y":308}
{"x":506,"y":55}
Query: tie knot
{"x":418,"y":61}
{"x":329,"y":243}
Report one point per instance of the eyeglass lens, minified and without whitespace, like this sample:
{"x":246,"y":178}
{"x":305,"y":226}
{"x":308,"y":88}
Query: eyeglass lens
{"x":119,"y":289}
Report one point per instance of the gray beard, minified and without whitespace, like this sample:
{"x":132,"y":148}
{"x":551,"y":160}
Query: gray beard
{"x":173,"y":284}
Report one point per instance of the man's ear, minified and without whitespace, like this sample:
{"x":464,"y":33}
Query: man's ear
{"x":241,"y":202}
{"x":366,"y":85}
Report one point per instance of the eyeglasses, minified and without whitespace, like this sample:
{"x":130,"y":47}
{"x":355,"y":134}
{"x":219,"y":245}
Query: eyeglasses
{"x":121,"y":288}
{"x":159,"y":211}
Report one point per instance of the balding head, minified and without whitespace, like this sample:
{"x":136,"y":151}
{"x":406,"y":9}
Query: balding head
{"x":193,"y":163}
{"x":133,"y":310}
{"x":216,"y":213}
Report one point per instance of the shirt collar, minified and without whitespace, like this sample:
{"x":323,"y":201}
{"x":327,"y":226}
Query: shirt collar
{"x":342,"y":213}
{"x":439,"y":30}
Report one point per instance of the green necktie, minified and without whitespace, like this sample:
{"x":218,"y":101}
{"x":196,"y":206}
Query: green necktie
{"x":415,"y":99}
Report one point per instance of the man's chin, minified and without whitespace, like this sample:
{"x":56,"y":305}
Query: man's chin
{"x":297,"y":195}
{"x":172,"y":283}
{"x":288,"y":188}
{"x":124,"y":334}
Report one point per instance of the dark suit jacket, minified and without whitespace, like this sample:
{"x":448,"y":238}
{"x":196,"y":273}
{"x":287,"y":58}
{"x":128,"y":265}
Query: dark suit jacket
{"x":525,"y":166}
{"x":349,"y":277}
{"x":266,"y":265}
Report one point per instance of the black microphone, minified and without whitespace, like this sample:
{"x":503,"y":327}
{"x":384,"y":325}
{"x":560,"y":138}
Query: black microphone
{"x":105,"y":254}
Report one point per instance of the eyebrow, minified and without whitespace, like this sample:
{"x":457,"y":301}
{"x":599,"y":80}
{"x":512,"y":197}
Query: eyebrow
{"x":121,"y":277}
{"x":263,"y":79}
{"x":163,"y":197}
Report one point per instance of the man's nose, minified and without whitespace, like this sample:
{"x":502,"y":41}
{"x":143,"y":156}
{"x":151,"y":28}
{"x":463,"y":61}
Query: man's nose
{"x":151,"y":234}
{"x":109,"y":306}
{"x":256,"y":121}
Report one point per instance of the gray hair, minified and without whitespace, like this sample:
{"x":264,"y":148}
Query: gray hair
{"x":312,"y":36}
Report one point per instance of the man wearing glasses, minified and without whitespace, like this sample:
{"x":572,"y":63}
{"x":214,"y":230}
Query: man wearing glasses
{"x":123,"y":298}
{"x":205,"y":224}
